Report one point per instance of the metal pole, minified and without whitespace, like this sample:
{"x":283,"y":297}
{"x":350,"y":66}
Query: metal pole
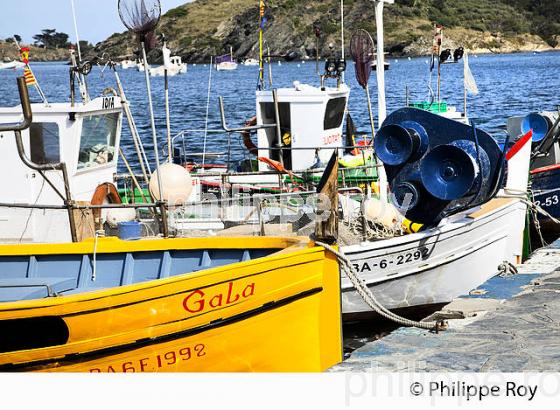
{"x":69,"y":203}
{"x":206,"y":118}
{"x":277,"y":120}
{"x":382,"y":108}
{"x":438,"y":79}
{"x":37,"y":86}
{"x":134,"y":131}
{"x":342,"y":34}
{"x":167,"y":116}
{"x":83,"y":84}
{"x":269,"y":68}
{"x":152,"y":118}
{"x":261,"y":62}
{"x":317,"y":55}
{"x":370,"y":114}
{"x":134,"y":180}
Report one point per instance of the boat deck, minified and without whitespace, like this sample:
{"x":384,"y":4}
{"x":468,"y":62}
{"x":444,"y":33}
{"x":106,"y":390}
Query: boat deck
{"x":508,"y":324}
{"x":50,"y":274}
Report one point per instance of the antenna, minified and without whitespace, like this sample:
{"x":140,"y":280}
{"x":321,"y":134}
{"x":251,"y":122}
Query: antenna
{"x":76,"y":30}
{"x":82,"y":78}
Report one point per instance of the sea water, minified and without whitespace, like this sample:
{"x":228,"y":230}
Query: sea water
{"x":509,"y":84}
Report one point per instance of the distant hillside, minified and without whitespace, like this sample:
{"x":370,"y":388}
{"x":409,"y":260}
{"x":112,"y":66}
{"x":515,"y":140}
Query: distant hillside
{"x":207,"y":28}
{"x":8,"y":51}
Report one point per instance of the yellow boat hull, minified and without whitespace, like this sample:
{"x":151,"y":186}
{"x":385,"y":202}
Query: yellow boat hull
{"x":276,"y":313}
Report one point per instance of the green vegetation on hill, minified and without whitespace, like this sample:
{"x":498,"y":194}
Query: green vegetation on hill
{"x":207,"y":28}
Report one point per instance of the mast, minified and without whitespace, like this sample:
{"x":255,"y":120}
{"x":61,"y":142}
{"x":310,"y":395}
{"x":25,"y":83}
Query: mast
{"x":342,"y":34}
{"x":382,"y":105}
{"x":261,"y":28}
{"x":83,"y":84}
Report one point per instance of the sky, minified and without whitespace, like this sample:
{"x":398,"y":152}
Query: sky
{"x":97,"y":19}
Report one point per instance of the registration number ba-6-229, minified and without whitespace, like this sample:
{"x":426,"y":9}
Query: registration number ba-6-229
{"x":400,"y":259}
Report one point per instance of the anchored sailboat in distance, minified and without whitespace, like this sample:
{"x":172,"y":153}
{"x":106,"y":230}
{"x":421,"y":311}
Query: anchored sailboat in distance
{"x":226,"y":62}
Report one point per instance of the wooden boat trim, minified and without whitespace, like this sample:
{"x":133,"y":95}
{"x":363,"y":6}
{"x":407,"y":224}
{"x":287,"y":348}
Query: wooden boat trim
{"x":490,"y":206}
{"x":115,"y":245}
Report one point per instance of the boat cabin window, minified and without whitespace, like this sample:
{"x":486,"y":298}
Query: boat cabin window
{"x":334,"y":113}
{"x":97,"y":144}
{"x":44,"y":138}
{"x":269,"y":117}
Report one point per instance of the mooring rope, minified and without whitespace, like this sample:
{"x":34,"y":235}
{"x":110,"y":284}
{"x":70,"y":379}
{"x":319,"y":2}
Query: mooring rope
{"x":368,"y":297}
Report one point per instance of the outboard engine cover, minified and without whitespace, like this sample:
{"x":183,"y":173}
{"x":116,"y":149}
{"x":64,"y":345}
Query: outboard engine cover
{"x":434,"y":165}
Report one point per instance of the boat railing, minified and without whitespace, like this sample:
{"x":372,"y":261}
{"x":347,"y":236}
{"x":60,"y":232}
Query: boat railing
{"x":185,"y":139}
{"x":251,"y":214}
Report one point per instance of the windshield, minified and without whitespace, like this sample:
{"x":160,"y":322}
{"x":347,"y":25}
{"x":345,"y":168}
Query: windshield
{"x":97,"y":145}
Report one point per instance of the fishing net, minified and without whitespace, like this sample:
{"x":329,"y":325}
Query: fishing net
{"x":362,"y":51}
{"x":141,"y":17}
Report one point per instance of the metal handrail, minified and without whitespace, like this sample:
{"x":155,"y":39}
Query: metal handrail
{"x":26,"y":108}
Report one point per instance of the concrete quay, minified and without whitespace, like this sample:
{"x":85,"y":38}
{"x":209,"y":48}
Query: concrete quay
{"x":508,"y":324}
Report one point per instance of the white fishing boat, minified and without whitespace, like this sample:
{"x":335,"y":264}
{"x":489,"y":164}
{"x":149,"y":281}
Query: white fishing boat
{"x":11,"y":65}
{"x":173,"y":64}
{"x":126,"y":64}
{"x":463,"y":250}
{"x":251,"y":62}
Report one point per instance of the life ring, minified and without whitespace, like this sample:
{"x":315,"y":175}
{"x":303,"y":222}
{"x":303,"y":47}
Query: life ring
{"x":251,"y":147}
{"x":105,"y":191}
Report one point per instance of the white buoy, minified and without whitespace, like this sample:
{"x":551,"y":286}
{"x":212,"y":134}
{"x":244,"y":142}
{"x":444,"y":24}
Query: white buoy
{"x":116,"y":215}
{"x":176,"y":181}
{"x":381,"y":212}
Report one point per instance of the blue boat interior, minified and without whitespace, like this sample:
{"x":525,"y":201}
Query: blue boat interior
{"x":43,"y":276}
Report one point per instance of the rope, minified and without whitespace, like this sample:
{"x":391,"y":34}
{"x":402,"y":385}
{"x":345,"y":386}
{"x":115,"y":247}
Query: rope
{"x":533,"y":206}
{"x":507,"y":268}
{"x":371,"y":301}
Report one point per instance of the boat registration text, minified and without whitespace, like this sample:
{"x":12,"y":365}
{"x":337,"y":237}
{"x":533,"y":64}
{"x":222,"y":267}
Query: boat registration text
{"x":421,"y":253}
{"x":154,"y":363}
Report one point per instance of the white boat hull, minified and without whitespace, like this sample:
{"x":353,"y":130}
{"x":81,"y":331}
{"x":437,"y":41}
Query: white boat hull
{"x":125,"y":65}
{"x":11,"y":65}
{"x":438,"y":265}
{"x":226,"y":66}
{"x":171,"y":71}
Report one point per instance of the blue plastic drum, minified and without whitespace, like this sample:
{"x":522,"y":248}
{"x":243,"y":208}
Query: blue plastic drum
{"x":129,"y":231}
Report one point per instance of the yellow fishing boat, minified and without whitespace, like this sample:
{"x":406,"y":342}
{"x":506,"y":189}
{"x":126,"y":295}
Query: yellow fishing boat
{"x":169,"y":305}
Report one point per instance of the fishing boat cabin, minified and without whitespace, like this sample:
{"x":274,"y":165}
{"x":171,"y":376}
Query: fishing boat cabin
{"x":85,"y":137}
